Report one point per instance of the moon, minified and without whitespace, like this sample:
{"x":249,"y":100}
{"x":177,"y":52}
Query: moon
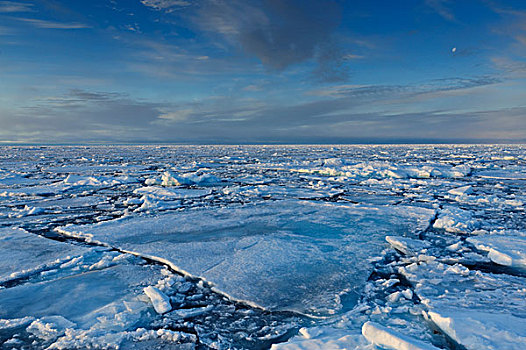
{"x":454,"y":50}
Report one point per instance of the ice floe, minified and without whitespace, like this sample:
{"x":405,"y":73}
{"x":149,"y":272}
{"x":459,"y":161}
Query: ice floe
{"x":504,"y":250}
{"x":303,"y":250}
{"x":24,"y":253}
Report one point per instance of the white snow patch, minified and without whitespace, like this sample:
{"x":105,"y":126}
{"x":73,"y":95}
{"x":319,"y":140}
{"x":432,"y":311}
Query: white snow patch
{"x":324,"y":338}
{"x":197,"y":178}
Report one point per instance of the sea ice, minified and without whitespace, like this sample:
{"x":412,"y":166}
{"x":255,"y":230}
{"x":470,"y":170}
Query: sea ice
{"x":160,"y":301}
{"x":478,"y":310}
{"x":387,"y":338}
{"x":407,"y":246}
{"x":171,"y":193}
{"x":461,"y":191}
{"x":282,"y":255}
{"x":237,"y":216}
{"x":49,"y":327}
{"x":24,"y":253}
{"x":455,"y":220}
{"x":479,"y":330}
{"x":504,"y":250}
{"x":197,"y":178}
{"x":324,"y":338}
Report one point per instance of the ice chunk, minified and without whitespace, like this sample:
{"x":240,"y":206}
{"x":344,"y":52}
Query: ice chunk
{"x":455,"y":220}
{"x":189,"y":313}
{"x":461,"y":191}
{"x":77,"y":180}
{"x":84,"y":298}
{"x":503,"y":249}
{"x":504,"y":174}
{"x":478,"y":310}
{"x":282,"y":255}
{"x":142,"y":334}
{"x":388,"y":338}
{"x":197,"y":178}
{"x":407,"y":246}
{"x":160,"y":301}
{"x":26,"y":211}
{"x":171,"y":193}
{"x":39,"y":190}
{"x":478,"y":330}
{"x":322,"y":338}
{"x":49,"y":327}
{"x":15,"y":322}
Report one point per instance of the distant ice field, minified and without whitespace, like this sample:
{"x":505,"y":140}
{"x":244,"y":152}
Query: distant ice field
{"x":253,"y":247}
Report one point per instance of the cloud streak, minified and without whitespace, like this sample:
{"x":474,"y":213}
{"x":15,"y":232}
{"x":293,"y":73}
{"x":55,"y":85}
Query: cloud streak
{"x":441,"y":7}
{"x":14,"y":6}
{"x":166,"y":4}
{"x":345,"y":115}
{"x":39,"y":23}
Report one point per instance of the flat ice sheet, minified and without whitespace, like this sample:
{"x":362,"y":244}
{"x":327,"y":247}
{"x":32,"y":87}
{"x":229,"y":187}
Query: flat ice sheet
{"x":22,"y":252}
{"x":283,"y":255}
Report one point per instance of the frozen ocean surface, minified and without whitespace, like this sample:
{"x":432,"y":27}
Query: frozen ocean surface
{"x":287,"y":255}
{"x":253,"y":247}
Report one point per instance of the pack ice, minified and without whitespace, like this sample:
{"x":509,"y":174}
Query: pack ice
{"x":256,"y":247}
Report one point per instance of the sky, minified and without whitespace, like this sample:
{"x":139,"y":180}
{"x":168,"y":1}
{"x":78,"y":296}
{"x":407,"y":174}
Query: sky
{"x":263,"y":71}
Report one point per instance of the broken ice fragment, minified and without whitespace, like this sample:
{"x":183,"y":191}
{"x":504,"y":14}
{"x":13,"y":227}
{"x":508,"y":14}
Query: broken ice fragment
{"x":459,"y":191}
{"x":49,"y":327}
{"x":481,"y":330}
{"x":390,"y":339}
{"x":160,"y":301}
{"x":406,"y":245}
{"x":503,"y":250}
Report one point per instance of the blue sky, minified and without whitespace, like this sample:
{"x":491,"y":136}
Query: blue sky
{"x":250,"y":71}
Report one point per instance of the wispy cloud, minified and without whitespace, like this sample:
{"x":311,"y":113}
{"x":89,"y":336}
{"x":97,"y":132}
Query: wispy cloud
{"x":100,"y":115}
{"x":433,"y":86}
{"x":39,"y":23}
{"x":516,"y":68}
{"x":345,"y":116}
{"x":513,"y":22}
{"x":15,"y":6}
{"x":441,"y":7}
{"x":5,"y":30}
{"x":167,"y":5}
